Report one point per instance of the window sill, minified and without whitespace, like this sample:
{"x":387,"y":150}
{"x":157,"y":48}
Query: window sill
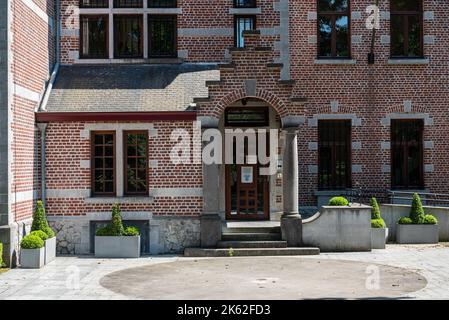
{"x":131,"y":61}
{"x":244,"y":11}
{"x":131,"y":10}
{"x":120,"y":200}
{"x":335,"y":61}
{"x":406,"y":61}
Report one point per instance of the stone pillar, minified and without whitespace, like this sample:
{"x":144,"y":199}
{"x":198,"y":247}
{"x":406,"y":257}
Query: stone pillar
{"x":291,"y":222}
{"x":210,"y":219}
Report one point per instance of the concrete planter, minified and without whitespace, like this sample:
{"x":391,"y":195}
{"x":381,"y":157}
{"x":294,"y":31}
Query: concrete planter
{"x":32,"y":258}
{"x":417,"y":233}
{"x":379,"y":238}
{"x":117,"y":247}
{"x":50,"y":250}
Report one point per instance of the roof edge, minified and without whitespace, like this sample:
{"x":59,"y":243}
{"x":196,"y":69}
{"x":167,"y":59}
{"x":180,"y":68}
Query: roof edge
{"x":115,"y":116}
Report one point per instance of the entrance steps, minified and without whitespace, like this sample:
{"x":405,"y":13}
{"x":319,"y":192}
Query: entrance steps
{"x":251,"y":239}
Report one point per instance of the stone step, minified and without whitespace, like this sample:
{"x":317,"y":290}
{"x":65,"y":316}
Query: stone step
{"x":252,"y":230}
{"x":252,"y":244}
{"x":250,"y":236}
{"x":242,"y":252}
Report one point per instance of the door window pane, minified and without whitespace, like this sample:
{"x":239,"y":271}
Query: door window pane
{"x":103,"y":163}
{"x":136,"y":162}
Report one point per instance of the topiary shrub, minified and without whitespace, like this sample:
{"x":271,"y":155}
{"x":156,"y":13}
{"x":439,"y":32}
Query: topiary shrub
{"x":41,"y":234}
{"x":31,"y":242}
{"x":338,"y":202}
{"x":405,"y":220}
{"x":430,"y":219}
{"x":378,"y":223}
{"x":115,"y":228}
{"x":40,"y":220}
{"x":131,"y":232}
{"x":417,"y":211}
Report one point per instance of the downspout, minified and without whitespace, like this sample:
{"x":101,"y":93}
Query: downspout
{"x":43,"y":105}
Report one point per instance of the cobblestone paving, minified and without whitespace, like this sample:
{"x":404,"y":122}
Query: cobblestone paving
{"x":79,"y":277}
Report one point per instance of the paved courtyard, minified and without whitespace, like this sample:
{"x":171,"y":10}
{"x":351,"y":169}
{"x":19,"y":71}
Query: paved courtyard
{"x":414,"y":271}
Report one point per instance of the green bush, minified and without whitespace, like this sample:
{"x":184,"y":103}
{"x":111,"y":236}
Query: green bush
{"x":417,"y":211}
{"x":41,"y":234}
{"x":131,"y":232}
{"x":338,"y":202}
{"x":31,"y":242}
{"x":378,"y":223}
{"x":1,"y":255}
{"x":430,"y":219}
{"x":405,"y":220}
{"x":375,"y":211}
{"x":115,"y":228}
{"x":40,"y":220}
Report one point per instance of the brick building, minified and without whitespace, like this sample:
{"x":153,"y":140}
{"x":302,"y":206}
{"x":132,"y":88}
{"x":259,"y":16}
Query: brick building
{"x":113,"y":82}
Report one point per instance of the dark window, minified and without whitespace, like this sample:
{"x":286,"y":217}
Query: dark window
{"x":162,"y":36}
{"x":136,"y":162}
{"x":246,"y":117}
{"x":162,"y":3}
{"x":94,"y":3}
{"x":333,"y":29}
{"x":128,"y":36}
{"x":103,"y":163}
{"x":406,"y":28}
{"x":244,"y":3}
{"x":242,"y":23}
{"x":334,"y":154}
{"x":407,"y":154}
{"x":128,"y":3}
{"x":94,"y":37}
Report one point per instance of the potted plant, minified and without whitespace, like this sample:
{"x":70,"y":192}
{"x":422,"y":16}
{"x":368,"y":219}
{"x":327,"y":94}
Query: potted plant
{"x":379,"y":230}
{"x":418,"y":227}
{"x":338,"y":202}
{"x":40,"y":223}
{"x":116,"y":241}
{"x":32,"y":253}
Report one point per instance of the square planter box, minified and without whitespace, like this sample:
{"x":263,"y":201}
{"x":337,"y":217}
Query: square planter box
{"x":50,"y":250}
{"x":32,"y":258}
{"x":117,"y":247}
{"x":379,"y":238}
{"x":417,"y":233}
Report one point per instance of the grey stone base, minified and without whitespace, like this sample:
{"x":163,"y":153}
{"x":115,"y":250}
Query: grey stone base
{"x":11,"y":236}
{"x":167,"y":234}
{"x":32,"y":258}
{"x":117,"y":247}
{"x":50,"y":250}
{"x":210,"y":230}
{"x":291,"y":228}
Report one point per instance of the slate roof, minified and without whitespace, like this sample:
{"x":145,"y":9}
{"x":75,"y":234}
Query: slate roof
{"x":129,"y":88}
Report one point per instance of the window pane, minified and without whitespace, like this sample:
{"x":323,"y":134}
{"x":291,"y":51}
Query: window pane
{"x":397,"y":35}
{"x":405,"y":5}
{"x":407,"y":153}
{"x":128,"y":3}
{"x":325,"y":30}
{"x":332,"y":5}
{"x":128,"y":36}
{"x":94,"y":36}
{"x":162,"y":3}
{"x":103,"y":164}
{"x":242,"y":24}
{"x":94,"y":3}
{"x":342,"y":34}
{"x":334,"y":154}
{"x":244,"y":3}
{"x":162,"y":33}
{"x":248,"y":117}
{"x":414,"y":36}
{"x":136,"y":162}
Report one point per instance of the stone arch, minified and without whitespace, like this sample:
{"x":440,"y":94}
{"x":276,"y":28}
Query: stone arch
{"x":264,"y":95}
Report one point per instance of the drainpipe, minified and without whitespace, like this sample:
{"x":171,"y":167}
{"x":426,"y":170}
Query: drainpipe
{"x":43,"y":129}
